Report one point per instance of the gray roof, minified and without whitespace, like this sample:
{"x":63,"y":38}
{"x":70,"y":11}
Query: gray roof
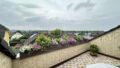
{"x":2,"y":30}
{"x":31,"y":39}
{"x":3,"y":27}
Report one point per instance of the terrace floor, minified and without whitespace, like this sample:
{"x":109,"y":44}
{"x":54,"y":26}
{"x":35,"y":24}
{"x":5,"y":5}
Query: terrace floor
{"x":86,"y":59}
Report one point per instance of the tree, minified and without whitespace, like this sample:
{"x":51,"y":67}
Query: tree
{"x":57,"y":33}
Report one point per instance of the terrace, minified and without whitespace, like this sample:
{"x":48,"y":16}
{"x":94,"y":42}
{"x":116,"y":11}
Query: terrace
{"x":74,"y":55}
{"x":85,"y":59}
{"x":65,"y":55}
{"x":57,"y":49}
{"x":60,"y":34}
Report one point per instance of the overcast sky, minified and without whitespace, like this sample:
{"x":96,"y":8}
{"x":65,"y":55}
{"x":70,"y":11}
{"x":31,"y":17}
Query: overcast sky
{"x":63,"y":14}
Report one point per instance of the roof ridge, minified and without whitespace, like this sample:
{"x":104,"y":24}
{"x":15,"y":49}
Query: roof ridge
{"x":4,"y":27}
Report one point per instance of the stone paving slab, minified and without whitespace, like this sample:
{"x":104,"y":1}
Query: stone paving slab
{"x":85,"y":59}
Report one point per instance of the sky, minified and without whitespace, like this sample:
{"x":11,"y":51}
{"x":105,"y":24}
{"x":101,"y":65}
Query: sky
{"x":63,"y":14}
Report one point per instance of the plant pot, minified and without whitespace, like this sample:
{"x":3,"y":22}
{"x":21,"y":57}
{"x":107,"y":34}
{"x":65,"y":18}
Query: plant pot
{"x":93,"y":54}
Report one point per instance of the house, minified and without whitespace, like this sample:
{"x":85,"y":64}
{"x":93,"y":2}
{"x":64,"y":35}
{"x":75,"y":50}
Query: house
{"x":4,"y":41}
{"x":88,"y":36}
{"x":17,"y":35}
{"x":4,"y":34}
{"x":31,"y":39}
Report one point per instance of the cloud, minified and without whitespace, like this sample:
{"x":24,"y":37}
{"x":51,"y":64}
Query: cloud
{"x":13,"y":13}
{"x":87,"y":5}
{"x":29,"y":5}
{"x":69,"y":6}
{"x":33,"y":19}
{"x":8,"y":12}
{"x":63,"y":14}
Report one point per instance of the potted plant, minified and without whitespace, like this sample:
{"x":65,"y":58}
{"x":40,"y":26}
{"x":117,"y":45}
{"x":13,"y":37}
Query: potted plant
{"x":94,"y":50}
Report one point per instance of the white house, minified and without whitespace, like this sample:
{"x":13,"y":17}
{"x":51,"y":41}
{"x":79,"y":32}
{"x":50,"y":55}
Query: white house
{"x":16,"y":35}
{"x":88,"y":36}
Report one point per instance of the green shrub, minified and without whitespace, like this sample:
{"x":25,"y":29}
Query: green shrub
{"x":78,"y":38}
{"x":57,"y":33}
{"x":58,"y":40}
{"x":43,"y":40}
{"x":66,"y":36}
{"x":94,"y":50}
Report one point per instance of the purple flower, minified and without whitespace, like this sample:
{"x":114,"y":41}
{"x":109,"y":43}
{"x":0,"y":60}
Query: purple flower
{"x":63,"y":41}
{"x":36,"y":47}
{"x":72,"y":41}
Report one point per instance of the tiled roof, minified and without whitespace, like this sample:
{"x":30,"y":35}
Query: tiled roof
{"x":3,"y":27}
{"x":31,"y":39}
{"x":85,"y":59}
{"x":2,"y":30}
